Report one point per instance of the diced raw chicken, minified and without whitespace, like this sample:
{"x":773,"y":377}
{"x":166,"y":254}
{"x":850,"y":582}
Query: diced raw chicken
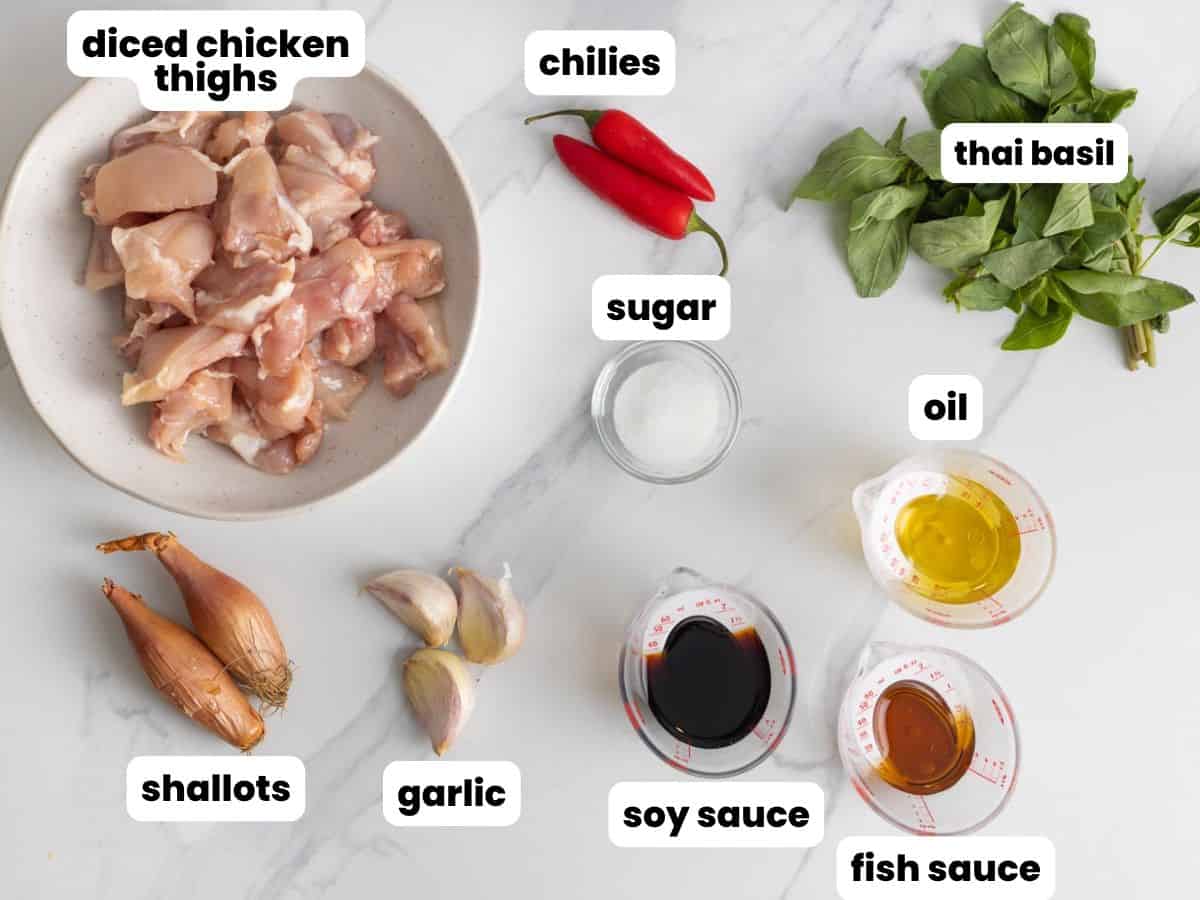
{"x":279,"y":403}
{"x":237,"y":133}
{"x":254,"y":217}
{"x":186,"y":129}
{"x":144,"y":319}
{"x":162,"y":258}
{"x":205,"y":399}
{"x":104,"y":268}
{"x":307,"y":441}
{"x":421,"y":325}
{"x":339,"y":140}
{"x":279,"y":340}
{"x":350,"y":341}
{"x":413,"y":266}
{"x":241,"y":433}
{"x":171,"y":355}
{"x":338,"y":387}
{"x":335,"y":284}
{"x":325,"y":201}
{"x":402,"y":367}
{"x":154,"y":178}
{"x":373,"y":226}
{"x":241,"y":299}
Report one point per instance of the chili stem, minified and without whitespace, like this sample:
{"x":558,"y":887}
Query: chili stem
{"x":695,"y":223}
{"x":588,"y":115}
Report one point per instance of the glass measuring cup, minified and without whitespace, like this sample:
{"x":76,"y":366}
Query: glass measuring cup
{"x":685,"y":594}
{"x":878,"y":501}
{"x":979,"y":795}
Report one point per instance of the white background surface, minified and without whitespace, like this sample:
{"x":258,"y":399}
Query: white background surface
{"x":1099,"y":672}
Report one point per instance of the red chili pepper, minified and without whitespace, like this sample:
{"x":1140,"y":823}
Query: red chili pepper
{"x":662,"y":209}
{"x":621,"y":135}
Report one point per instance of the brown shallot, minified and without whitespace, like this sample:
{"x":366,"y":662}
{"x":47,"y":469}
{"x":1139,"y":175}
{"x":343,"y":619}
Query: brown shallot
{"x":226,"y":614}
{"x":186,"y":672}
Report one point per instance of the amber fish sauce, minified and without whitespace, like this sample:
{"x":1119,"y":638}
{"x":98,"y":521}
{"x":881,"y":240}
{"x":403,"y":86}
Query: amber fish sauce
{"x":926,"y":746}
{"x":964,"y":544}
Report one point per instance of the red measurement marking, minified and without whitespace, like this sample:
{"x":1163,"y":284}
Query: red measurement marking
{"x":984,"y":777}
{"x":783,"y":663}
{"x":1001,"y":477}
{"x":999,"y":715}
{"x":635,"y":718}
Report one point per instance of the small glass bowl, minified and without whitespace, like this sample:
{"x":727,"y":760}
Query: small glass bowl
{"x":641,"y":354}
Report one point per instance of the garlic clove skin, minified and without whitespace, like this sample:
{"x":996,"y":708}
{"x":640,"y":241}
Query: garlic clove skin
{"x":491,"y":620}
{"x":423,"y":602}
{"x":441,"y":690}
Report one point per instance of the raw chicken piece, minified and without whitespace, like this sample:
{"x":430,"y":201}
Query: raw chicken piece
{"x":171,"y":355}
{"x":402,"y":367}
{"x":338,"y":387}
{"x":154,"y":178}
{"x":187,"y":129}
{"x":254,"y":217}
{"x":205,"y":399}
{"x":413,"y":266}
{"x":241,"y":434}
{"x":104,"y":268}
{"x":373,"y":226}
{"x":144,"y":319}
{"x":240,"y":299}
{"x":307,"y":440}
{"x":279,"y":340}
{"x":279,"y":403}
{"x":350,"y":341}
{"x":421,"y":325}
{"x":237,"y":133}
{"x":325,"y":201}
{"x":335,"y":284}
{"x":339,"y":140}
{"x":162,"y":258}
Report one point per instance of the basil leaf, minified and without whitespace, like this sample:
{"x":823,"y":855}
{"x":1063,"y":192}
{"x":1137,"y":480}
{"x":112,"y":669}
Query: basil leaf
{"x":1073,"y":34}
{"x":1027,"y":59}
{"x":886,"y":203}
{"x":1179,"y":220}
{"x":853,"y":164}
{"x":1118,"y":300}
{"x":981,"y":294}
{"x":925,"y":149}
{"x":1033,"y":211}
{"x":958,"y":242}
{"x":876,"y":254}
{"x":1104,"y":195}
{"x":1033,"y":295}
{"x":965,"y":89}
{"x":1021,"y":263}
{"x":1072,"y":210}
{"x":1109,"y":226}
{"x":897,"y":138}
{"x":1107,"y":105}
{"x":1101,"y":260}
{"x":952,"y":202}
{"x":1034,"y":331}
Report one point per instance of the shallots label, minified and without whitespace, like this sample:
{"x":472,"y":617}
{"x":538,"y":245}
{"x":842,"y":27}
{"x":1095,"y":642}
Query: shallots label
{"x":962,"y":868}
{"x":600,"y":63}
{"x":661,"y":308}
{"x":725,"y":814}
{"x":215,"y":59}
{"x":215,"y":789}
{"x":452,"y":794}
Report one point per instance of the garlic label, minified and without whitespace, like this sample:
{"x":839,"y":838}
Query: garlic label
{"x":463,"y":794}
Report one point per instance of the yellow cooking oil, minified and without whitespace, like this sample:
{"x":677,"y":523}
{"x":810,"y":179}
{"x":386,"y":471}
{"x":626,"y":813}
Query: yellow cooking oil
{"x":964,"y":543}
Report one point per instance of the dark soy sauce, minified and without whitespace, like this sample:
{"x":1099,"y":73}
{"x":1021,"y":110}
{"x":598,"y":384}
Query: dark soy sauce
{"x":709,"y":686}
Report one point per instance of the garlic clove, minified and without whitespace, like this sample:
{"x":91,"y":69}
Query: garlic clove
{"x":423,"y":602}
{"x":491,"y":620}
{"x":441,"y":690}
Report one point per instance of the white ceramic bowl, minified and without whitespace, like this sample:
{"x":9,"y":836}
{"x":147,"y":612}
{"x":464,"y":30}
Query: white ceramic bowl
{"x":59,"y":333}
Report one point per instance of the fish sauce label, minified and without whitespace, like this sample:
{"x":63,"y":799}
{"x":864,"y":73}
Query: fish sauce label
{"x":215,"y":59}
{"x":600,"y":63}
{"x":962,"y":868}
{"x":1034,"y":153}
{"x":215,"y":789}
{"x":716,"y":814}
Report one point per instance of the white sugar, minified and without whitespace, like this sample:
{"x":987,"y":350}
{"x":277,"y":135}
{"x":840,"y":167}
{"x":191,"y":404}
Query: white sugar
{"x":667,"y":414}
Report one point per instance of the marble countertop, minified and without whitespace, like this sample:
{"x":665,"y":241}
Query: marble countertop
{"x":1098,"y":671}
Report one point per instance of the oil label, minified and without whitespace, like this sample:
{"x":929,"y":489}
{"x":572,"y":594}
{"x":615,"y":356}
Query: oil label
{"x":963,"y":868}
{"x":945,"y":407}
{"x":661,"y":307}
{"x":215,"y":789}
{"x":452,"y":794}
{"x":1034,"y":153}
{"x":726,"y":814}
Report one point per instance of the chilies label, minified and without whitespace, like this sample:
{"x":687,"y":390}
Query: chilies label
{"x":600,"y":63}
{"x":1034,"y":153}
{"x":211,"y":60}
{"x":215,"y":789}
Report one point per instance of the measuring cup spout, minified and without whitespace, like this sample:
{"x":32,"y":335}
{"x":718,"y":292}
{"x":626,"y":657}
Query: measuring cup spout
{"x":864,"y":499}
{"x":877,"y":651}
